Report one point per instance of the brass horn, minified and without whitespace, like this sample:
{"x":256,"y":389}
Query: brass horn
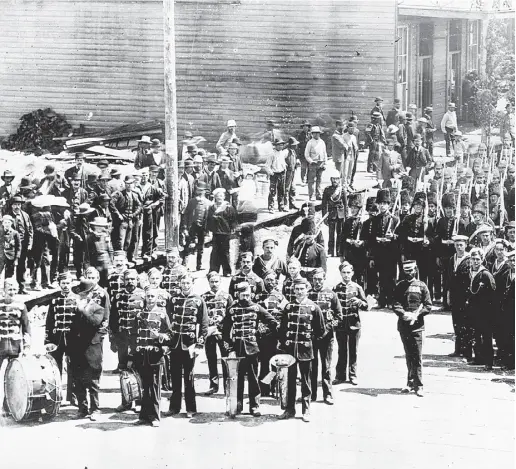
{"x":231,"y":364}
{"x":281,"y":363}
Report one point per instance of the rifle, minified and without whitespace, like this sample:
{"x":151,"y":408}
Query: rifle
{"x":425,"y":222}
{"x":457,"y":215}
{"x":502,"y":203}
{"x":359,"y":218}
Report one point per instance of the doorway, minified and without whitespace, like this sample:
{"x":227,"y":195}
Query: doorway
{"x":425,"y":80}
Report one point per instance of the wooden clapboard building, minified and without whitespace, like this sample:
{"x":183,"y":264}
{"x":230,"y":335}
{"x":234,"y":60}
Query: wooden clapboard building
{"x":100,"y":62}
{"x":438,"y":43}
{"x":244,"y":59}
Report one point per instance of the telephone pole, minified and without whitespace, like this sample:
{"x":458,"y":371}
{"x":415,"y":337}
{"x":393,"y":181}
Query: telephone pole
{"x":171,"y":170}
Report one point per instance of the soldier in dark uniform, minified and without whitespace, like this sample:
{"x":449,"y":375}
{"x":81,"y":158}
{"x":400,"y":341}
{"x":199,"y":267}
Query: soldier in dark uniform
{"x":217,"y":304}
{"x":246,"y":274}
{"x":384,"y":248}
{"x":294,"y":273}
{"x":172,"y":272}
{"x":352,"y":298}
{"x":352,"y":246}
{"x":188,"y":327}
{"x":331,"y":309}
{"x":411,"y":304}
{"x":479,"y":310}
{"x":269,"y":260}
{"x":301,"y":323}
{"x":334,"y":204}
{"x":433,"y":272}
{"x":126,"y":305}
{"x":456,"y":271}
{"x":310,"y":253}
{"x":274,"y":302}
{"x":61,"y":314}
{"x":152,"y":326}
{"x":412,"y":235}
{"x":240,"y":328}
{"x":367,"y":236}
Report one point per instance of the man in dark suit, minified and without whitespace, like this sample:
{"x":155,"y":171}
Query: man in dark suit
{"x":78,"y":170}
{"x":304,"y":137}
{"x":125,"y":207}
{"x":75,"y":195}
{"x":418,"y":158}
{"x":6,"y":191}
{"x":392,"y":115}
{"x":23,"y":226}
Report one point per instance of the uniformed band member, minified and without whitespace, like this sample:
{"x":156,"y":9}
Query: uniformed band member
{"x":329,"y":304}
{"x":240,"y":329}
{"x":411,"y":304}
{"x":310,"y":253}
{"x":294,"y":273}
{"x":334,"y":206}
{"x":302,"y":322}
{"x":173,"y":272}
{"x":457,"y":271}
{"x":217,"y":304}
{"x":60,"y":316}
{"x":122,"y":321}
{"x":384,"y":252}
{"x":188,"y":327}
{"x":352,"y":246}
{"x":152,"y":326}
{"x":351,"y":298}
{"x":274,"y":302}
{"x":15,"y":328}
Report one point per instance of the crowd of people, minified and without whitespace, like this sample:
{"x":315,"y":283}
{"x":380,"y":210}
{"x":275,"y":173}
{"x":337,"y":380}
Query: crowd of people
{"x":444,"y":230}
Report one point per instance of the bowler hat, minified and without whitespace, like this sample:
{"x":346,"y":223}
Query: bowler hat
{"x":155,"y":143}
{"x":49,"y":169}
{"x":16,"y":200}
{"x":84,"y":209}
{"x":103,"y":163}
{"x":26,"y":184}
{"x":378,"y":100}
{"x":129,"y":178}
{"x":145,"y":139}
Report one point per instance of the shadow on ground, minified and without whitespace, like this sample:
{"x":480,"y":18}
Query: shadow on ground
{"x":374,"y":392}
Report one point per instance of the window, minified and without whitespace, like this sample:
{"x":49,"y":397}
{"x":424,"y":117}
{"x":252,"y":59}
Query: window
{"x":455,"y":35}
{"x":402,"y":48}
{"x":426,"y":39}
{"x":474,"y":32}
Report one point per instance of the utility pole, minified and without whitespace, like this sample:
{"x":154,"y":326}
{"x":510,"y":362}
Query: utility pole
{"x":171,"y":170}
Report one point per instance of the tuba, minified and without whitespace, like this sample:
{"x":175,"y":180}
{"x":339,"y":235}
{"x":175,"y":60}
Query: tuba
{"x":281,"y":363}
{"x":231,"y":364}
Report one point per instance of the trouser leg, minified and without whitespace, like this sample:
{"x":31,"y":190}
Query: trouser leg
{"x":94,"y":389}
{"x":147,"y":228}
{"x":291,"y":388}
{"x":406,"y":346}
{"x":326,"y":352}
{"x":252,"y":382}
{"x":318,"y":177}
{"x":341,"y":370}
{"x":306,"y":385}
{"x":176,"y":370}
{"x":304,"y":169}
{"x":214,"y":256}
{"x":151,"y":383}
{"x":281,"y":190}
{"x":81,"y":394}
{"x":458,"y":329}
{"x":22,"y":267}
{"x":289,"y":188}
{"x":353,"y":339}
{"x":487,"y":345}
{"x":188,"y":366}
{"x":310,"y":179}
{"x":200,"y":246}
{"x":224,"y":251}
{"x":210,"y":347}
{"x":135,"y":240}
{"x":273,"y":188}
{"x":315,"y":368}
{"x":122,"y":344}
{"x":332,"y":226}
{"x":267,"y":347}
{"x":243,"y":370}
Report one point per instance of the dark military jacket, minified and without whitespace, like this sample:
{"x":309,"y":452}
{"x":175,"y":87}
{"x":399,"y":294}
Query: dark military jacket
{"x":240,"y":327}
{"x":410,"y":295}
{"x":330,"y":306}
{"x":185,"y":312}
{"x":124,"y":310}
{"x":288,"y":289}
{"x":149,"y":349}
{"x":14,"y":325}
{"x":458,"y":281}
{"x":350,"y":318}
{"x":170,"y":281}
{"x":382,"y":224}
{"x":351,"y":230}
{"x":60,"y":317}
{"x":300,"y":324}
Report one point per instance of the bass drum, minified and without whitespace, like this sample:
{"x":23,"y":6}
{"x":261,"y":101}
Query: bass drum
{"x":33,"y":387}
{"x":130,"y":386}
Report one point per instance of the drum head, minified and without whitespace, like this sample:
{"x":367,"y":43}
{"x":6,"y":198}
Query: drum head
{"x":16,"y":389}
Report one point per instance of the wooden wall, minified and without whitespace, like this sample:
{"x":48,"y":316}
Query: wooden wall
{"x":248,"y":60}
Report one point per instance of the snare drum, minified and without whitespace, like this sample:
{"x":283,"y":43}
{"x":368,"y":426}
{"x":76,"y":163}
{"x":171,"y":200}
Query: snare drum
{"x":131,"y":386}
{"x":33,"y":387}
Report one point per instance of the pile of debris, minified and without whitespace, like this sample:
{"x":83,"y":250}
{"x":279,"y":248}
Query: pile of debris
{"x":37,"y":131}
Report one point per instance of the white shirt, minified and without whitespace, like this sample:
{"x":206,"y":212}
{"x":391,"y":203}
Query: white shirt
{"x":276,"y":161}
{"x":450,"y":120}
{"x":316,"y":150}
